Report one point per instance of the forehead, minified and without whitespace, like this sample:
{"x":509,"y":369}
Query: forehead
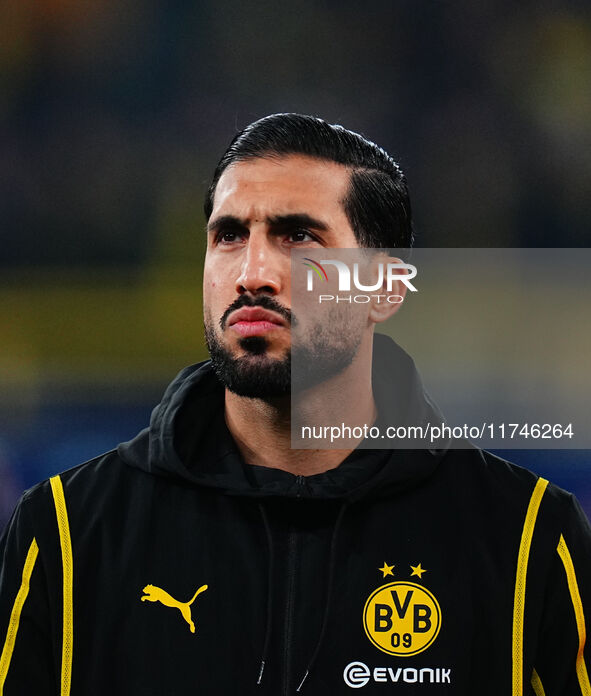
{"x":287,"y":184}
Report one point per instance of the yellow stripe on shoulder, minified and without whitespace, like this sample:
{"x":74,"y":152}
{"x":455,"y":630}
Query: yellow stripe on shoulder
{"x":68,"y":583}
{"x":575,"y":596}
{"x":15,"y":615}
{"x":520,"y":583}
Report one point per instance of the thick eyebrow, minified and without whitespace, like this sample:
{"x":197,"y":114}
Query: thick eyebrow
{"x":297,"y":220}
{"x":225,"y":221}
{"x":290,"y":220}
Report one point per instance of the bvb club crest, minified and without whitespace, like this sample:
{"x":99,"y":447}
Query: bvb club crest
{"x":402,"y":618}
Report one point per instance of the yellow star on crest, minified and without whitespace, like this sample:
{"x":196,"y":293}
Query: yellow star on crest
{"x":387,"y":569}
{"x":417,"y":570}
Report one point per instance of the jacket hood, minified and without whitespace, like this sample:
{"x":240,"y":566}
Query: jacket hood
{"x":188,"y":439}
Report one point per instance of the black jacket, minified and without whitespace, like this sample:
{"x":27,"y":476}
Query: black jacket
{"x":170,"y":567}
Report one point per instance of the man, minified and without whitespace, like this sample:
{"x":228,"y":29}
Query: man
{"x":205,"y":556}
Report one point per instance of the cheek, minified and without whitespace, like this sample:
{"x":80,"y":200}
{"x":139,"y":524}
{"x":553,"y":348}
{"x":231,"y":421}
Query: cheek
{"x":210,"y":283}
{"x":217,"y":296}
{"x":208,"y":292}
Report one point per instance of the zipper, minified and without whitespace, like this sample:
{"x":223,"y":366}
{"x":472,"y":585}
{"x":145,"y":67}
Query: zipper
{"x":300,"y":482}
{"x":292,"y":541}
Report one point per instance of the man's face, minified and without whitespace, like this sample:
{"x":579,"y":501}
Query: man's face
{"x":264,"y":208}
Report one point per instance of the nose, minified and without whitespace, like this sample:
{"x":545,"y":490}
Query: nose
{"x":260,"y":270}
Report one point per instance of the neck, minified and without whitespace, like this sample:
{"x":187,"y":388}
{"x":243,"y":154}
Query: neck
{"x":262,"y":428}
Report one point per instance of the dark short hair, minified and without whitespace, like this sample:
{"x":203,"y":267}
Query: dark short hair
{"x":377,"y":204}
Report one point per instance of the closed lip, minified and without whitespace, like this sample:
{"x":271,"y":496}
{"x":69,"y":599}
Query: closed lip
{"x":255,"y":314}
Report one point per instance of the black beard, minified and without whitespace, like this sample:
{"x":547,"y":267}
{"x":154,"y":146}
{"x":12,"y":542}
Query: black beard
{"x":260,"y":377}
{"x":325,"y":354}
{"x":257,"y":377}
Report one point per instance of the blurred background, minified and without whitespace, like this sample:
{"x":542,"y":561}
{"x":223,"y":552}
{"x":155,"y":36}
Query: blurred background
{"x":114,"y":114}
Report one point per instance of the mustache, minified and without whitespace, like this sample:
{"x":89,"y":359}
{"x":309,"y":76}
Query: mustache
{"x":265,"y":302}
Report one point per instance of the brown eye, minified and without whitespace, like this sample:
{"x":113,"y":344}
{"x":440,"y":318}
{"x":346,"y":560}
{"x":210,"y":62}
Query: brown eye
{"x":227,"y":237}
{"x":300,"y":236}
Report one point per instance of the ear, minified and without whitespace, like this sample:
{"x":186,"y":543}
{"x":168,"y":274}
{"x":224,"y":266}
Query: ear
{"x":388,"y":300}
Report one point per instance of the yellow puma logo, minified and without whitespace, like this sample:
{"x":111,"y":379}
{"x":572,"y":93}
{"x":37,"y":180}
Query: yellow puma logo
{"x":155,"y":594}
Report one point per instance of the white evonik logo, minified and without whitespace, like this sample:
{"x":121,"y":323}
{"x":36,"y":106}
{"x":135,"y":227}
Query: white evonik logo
{"x":358,"y":674}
